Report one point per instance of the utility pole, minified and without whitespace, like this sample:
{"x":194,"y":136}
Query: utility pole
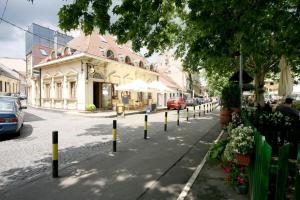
{"x":241,"y":74}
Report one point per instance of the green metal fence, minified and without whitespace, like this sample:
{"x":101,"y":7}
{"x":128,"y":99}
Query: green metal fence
{"x":261,"y":168}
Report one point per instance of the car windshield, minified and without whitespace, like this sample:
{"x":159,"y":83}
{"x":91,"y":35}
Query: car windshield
{"x":6,"y":106}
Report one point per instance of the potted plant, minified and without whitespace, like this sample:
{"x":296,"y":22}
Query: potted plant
{"x":90,"y":107}
{"x":242,"y":142}
{"x":231,"y":101}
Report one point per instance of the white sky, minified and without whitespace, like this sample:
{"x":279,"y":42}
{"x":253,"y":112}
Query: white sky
{"x":24,"y":13}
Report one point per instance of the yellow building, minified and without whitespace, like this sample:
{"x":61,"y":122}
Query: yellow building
{"x":88,"y":71}
{"x":9,"y":80}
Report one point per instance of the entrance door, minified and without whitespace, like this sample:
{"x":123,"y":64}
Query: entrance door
{"x":106,"y":96}
{"x":96,"y":94}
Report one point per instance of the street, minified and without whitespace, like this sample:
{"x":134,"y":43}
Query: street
{"x":28,"y":157}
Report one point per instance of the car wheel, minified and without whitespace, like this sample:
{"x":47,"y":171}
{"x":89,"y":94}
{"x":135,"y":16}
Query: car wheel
{"x":168,"y":108}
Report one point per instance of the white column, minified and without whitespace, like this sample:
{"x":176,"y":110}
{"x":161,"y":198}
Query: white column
{"x":81,"y":91}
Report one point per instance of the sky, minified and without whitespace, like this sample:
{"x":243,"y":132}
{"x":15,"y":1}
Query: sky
{"x":24,"y":13}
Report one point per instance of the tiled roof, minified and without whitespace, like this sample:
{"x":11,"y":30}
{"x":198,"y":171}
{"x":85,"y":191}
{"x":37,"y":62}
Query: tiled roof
{"x":97,"y":45}
{"x":17,"y":64}
{"x":5,"y":71}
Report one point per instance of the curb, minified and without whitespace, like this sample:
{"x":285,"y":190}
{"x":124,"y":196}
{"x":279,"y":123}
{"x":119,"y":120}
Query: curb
{"x":192,"y":179}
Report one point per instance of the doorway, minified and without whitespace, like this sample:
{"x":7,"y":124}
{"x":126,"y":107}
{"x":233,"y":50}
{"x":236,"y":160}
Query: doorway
{"x":96,"y":94}
{"x":102,"y":95}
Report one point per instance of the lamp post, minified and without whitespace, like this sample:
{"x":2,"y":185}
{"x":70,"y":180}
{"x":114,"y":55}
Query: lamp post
{"x":241,"y":75}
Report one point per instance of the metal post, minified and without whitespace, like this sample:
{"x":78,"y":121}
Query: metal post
{"x":145,"y":127}
{"x":194,"y":112}
{"x":241,"y":74}
{"x":166,"y":120}
{"x":54,"y":154}
{"x":187,"y":114}
{"x":114,"y":133}
{"x":178,"y":117}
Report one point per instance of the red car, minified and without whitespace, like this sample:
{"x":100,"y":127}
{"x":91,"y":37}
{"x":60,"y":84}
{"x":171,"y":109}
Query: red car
{"x":176,"y":103}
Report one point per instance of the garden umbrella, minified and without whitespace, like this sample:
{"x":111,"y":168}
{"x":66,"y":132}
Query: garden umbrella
{"x":285,"y":81}
{"x":137,"y":85}
{"x":158,"y":86}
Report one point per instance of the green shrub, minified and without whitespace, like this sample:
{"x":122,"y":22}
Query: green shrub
{"x":231,"y":96}
{"x":296,"y":105}
{"x":216,"y":150}
{"x":90,"y":107}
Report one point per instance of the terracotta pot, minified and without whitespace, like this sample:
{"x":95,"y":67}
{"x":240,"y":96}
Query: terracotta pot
{"x":242,"y":159}
{"x":237,"y":110}
{"x":225,"y":116}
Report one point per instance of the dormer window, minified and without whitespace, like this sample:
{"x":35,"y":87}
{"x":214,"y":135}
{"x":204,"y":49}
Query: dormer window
{"x":110,"y":54}
{"x":53,"y":56}
{"x":141,"y":64}
{"x":128,"y":60}
{"x":66,"y":51}
{"x":151,"y":67}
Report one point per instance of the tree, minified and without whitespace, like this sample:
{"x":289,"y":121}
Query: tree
{"x":206,"y":34}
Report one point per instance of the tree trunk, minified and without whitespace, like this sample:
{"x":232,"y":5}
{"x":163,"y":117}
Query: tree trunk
{"x":259,"y":87}
{"x":190,"y":83}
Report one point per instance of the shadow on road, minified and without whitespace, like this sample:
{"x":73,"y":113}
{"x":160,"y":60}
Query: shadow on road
{"x":29,"y":117}
{"x":25,"y":132}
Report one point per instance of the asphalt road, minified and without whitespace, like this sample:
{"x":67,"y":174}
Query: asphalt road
{"x":26,"y":158}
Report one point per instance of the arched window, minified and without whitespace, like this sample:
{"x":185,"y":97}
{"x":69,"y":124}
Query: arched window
{"x":110,"y":54}
{"x":151,"y":67}
{"x":66,"y":51}
{"x":141,"y":64}
{"x":53,"y":56}
{"x":127,"y":60}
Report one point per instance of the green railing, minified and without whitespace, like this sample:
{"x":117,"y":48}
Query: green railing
{"x":261,"y":168}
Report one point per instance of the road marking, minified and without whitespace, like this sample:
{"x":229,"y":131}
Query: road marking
{"x":191,"y":181}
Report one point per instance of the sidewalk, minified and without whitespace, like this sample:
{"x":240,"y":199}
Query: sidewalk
{"x":96,"y":114}
{"x":211,"y":184}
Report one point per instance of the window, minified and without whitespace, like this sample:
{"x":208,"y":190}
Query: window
{"x":149,"y":95}
{"x":43,"y":52}
{"x":110,"y":54}
{"x":73,"y":90}
{"x":58,"y":90}
{"x":0,"y":86}
{"x":47,"y":90}
{"x":141,"y":64}
{"x":127,"y":60}
{"x":114,"y":91}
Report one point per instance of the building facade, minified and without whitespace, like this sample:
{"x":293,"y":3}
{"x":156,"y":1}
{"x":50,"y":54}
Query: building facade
{"x":9,"y":80}
{"x":189,"y":85}
{"x":88,"y":70}
{"x":39,"y":43}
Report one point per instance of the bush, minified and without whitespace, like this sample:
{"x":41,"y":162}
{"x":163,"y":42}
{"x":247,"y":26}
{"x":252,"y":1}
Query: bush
{"x":90,"y":107}
{"x":231,"y":96}
{"x":296,"y":105}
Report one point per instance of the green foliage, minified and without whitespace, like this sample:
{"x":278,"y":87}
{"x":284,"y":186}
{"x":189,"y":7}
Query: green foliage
{"x":206,"y":34}
{"x":216,"y":150}
{"x":296,"y":105}
{"x":90,"y":107}
{"x":231,"y":96}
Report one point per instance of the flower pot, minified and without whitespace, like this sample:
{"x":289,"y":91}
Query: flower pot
{"x":225,"y":116}
{"x":241,"y":189}
{"x":242,"y":159}
{"x":237,"y":110}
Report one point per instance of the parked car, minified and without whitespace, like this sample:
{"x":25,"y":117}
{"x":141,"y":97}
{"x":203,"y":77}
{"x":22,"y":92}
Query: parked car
{"x":176,"y":103}
{"x":200,"y":100}
{"x":11,"y":115}
{"x":190,"y":102}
